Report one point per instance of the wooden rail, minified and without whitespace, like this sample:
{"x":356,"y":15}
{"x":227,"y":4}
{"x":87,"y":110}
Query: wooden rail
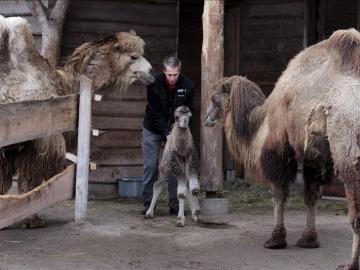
{"x":14,"y":208}
{"x":28,"y":120}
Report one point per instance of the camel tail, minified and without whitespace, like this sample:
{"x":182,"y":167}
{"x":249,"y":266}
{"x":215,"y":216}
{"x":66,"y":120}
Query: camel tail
{"x":344,"y":48}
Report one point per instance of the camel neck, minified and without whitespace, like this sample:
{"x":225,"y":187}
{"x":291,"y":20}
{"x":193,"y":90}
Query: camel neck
{"x":182,"y":140}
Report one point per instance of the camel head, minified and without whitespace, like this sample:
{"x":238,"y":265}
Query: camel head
{"x":182,"y":117}
{"x":219,"y":103}
{"x":234,"y":99}
{"x":113,"y":63}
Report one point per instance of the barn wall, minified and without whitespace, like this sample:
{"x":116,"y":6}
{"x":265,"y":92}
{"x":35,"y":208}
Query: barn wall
{"x":334,"y":15}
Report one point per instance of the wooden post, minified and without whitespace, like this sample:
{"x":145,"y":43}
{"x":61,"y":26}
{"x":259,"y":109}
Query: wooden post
{"x":82,"y":169}
{"x":212,"y":68}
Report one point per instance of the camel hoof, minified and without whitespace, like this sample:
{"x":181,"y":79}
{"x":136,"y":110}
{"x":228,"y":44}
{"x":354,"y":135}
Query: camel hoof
{"x":308,"y":241}
{"x":195,"y":191}
{"x":274,"y":243}
{"x":180,"y":222}
{"x":33,"y":223}
{"x":196,"y":218}
{"x":277,"y":239}
{"x":149,"y":215}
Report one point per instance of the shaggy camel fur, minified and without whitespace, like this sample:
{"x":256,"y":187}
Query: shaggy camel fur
{"x":311,"y":120}
{"x":112,"y":63}
{"x":179,"y":160}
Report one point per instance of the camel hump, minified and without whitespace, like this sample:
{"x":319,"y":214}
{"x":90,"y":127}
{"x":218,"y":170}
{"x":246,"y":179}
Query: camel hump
{"x":344,"y":48}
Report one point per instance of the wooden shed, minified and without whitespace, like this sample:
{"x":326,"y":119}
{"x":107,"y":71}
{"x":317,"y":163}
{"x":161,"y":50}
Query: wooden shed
{"x":261,"y":36}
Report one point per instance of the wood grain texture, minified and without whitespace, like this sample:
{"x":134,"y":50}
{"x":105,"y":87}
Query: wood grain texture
{"x":28,"y":120}
{"x":14,"y":208}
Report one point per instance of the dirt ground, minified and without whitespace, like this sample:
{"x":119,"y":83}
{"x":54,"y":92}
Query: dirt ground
{"x":116,"y":236}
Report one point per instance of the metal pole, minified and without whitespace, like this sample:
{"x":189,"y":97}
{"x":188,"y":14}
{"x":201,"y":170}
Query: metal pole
{"x":83,"y":150}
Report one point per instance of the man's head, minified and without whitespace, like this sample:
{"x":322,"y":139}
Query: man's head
{"x":172,"y":70}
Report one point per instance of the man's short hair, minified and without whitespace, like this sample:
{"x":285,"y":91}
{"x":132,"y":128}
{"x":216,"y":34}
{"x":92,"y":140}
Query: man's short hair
{"x":172,"y":61}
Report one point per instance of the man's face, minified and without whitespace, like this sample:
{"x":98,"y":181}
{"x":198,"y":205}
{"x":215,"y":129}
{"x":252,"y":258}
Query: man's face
{"x":172,"y":75}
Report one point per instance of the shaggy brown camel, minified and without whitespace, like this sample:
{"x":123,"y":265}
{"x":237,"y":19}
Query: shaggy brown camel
{"x":181,"y":161}
{"x":310,"y":120}
{"x":112,"y":63}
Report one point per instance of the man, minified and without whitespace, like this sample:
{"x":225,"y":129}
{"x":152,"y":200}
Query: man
{"x":170,"y":90}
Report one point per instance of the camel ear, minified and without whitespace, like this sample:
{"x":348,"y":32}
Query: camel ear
{"x":117,"y":46}
{"x":132,"y":32}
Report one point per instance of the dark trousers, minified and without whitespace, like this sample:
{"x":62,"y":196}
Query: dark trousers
{"x":151,"y":143}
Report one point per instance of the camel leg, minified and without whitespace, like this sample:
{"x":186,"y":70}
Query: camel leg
{"x":159,"y":185}
{"x":194,"y":186}
{"x":278,"y":236}
{"x":312,"y":179}
{"x":5,"y":172}
{"x":181,"y":194}
{"x":353,"y":199}
{"x":37,"y":162}
{"x":354,"y":261}
{"x":194,"y":205}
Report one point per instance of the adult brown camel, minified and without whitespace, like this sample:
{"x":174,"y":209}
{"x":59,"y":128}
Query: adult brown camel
{"x":112,"y":63}
{"x":310,"y":120}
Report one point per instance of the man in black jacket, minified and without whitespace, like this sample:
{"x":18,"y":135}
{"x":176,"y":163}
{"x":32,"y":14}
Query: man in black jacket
{"x":170,"y":90}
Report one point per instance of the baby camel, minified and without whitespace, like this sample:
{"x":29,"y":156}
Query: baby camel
{"x":179,"y":160}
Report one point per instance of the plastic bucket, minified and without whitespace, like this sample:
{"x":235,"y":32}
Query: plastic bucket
{"x":130,"y":187}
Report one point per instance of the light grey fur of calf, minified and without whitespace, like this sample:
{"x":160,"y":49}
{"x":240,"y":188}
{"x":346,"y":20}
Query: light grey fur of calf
{"x":181,"y":160}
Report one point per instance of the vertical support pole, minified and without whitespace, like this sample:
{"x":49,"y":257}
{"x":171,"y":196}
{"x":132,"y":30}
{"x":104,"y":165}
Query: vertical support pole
{"x":83,"y":150}
{"x":212,"y":69}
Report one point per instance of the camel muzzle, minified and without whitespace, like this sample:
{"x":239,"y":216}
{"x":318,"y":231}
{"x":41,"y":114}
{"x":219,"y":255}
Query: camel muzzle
{"x":209,"y":122}
{"x":147,"y":77}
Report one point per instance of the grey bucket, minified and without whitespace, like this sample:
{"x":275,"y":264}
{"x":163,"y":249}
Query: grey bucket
{"x":130,"y":187}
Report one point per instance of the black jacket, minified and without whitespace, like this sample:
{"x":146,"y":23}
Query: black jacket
{"x":162,"y":102}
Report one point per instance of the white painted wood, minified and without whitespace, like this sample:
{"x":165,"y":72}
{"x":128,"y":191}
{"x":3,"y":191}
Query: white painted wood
{"x":95,"y":132}
{"x":97,"y":97}
{"x":82,"y":170}
{"x":93,"y":166}
{"x":14,"y":208}
{"x":71,"y":157}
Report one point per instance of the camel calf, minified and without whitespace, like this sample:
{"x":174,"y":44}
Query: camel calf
{"x":179,"y":160}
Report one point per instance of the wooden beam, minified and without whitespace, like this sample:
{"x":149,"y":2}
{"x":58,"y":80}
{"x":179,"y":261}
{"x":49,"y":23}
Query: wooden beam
{"x":14,"y":208}
{"x":28,"y":120}
{"x":83,"y":150}
{"x":212,"y":69}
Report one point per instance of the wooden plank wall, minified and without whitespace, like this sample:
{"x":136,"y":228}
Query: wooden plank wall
{"x":117,"y":150}
{"x":334,"y":15}
{"x":271,"y":34}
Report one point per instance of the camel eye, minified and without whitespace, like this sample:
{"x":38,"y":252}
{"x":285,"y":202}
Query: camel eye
{"x":134,"y":57}
{"x":215,"y":99}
